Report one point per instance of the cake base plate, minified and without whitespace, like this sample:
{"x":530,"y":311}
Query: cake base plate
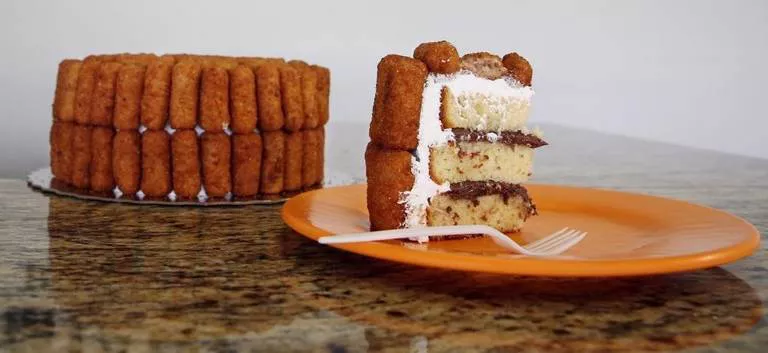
{"x":44,"y":181}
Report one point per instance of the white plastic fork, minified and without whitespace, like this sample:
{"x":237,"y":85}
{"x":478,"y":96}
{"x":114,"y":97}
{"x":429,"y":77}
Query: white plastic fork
{"x":553,"y":244}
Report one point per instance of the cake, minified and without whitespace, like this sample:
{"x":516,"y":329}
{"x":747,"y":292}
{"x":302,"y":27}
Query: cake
{"x":189,"y":126}
{"x":448,"y":140}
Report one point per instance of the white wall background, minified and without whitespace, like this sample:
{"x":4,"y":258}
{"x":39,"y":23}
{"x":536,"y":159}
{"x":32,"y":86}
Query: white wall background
{"x":687,"y":72}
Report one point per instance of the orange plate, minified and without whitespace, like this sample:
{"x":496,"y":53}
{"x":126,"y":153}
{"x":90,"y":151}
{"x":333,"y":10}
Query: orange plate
{"x":629,"y":234}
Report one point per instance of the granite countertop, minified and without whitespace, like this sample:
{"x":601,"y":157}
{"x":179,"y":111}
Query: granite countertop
{"x":79,"y":276}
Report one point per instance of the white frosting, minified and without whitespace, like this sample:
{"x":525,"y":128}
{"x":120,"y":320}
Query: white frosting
{"x":465,"y":83}
{"x":169,"y":129}
{"x":172,"y":196}
{"x":117,"y":192}
{"x":142,"y":128}
{"x":202,"y":196}
{"x":199,"y":130}
{"x":140,"y":195}
{"x":431,"y":134}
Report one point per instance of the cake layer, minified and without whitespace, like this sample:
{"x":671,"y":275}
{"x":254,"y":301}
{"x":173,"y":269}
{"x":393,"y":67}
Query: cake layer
{"x":478,"y":161}
{"x":483,"y":110}
{"x":500,"y":205}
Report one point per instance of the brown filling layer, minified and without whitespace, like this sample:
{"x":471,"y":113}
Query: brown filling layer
{"x":505,"y":137}
{"x":471,"y":190}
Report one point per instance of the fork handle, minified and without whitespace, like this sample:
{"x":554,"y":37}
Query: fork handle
{"x":403,"y":233}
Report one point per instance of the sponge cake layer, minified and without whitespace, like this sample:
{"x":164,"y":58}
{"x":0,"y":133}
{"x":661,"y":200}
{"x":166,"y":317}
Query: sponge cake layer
{"x":479,"y":161}
{"x":499,"y":205}
{"x":479,"y":111}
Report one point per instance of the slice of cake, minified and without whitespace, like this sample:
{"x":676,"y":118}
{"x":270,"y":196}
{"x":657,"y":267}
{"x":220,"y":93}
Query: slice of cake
{"x":449,"y":144}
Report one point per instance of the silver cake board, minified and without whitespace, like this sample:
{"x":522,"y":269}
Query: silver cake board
{"x":44,"y":181}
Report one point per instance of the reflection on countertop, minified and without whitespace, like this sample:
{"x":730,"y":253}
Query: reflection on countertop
{"x":98,"y":277}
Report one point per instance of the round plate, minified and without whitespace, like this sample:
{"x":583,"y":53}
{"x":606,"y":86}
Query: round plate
{"x":629,"y":234}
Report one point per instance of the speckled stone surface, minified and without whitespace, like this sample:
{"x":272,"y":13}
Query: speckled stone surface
{"x":80,"y":276}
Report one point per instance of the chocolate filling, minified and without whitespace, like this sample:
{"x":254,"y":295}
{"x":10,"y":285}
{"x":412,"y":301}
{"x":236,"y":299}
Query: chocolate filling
{"x":471,"y":190}
{"x":505,"y":137}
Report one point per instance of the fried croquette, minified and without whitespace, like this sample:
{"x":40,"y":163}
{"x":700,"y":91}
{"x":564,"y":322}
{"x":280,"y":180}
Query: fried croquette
{"x":103,"y":104}
{"x":246,"y":164}
{"x":389,"y":174}
{"x":157,"y":92}
{"x":272,"y":162}
{"x":519,"y":68}
{"x":291,"y":93}
{"x":86,"y":81}
{"x":242,"y":87}
{"x":185,"y":86}
{"x":440,"y":57}
{"x":126,"y":161}
{"x":268,"y":95}
{"x":214,"y":99}
{"x":102,"y":178}
{"x":185,"y":152}
{"x":128,"y":92}
{"x":397,"y":104}
{"x":81,"y":157}
{"x":66,"y":89}
{"x":294,"y":146}
{"x":216,"y":157}
{"x":155,"y":163}
{"x":62,"y":150}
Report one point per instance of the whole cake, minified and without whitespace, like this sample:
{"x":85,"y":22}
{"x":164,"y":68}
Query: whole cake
{"x":449,"y":144}
{"x":189,"y":126}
